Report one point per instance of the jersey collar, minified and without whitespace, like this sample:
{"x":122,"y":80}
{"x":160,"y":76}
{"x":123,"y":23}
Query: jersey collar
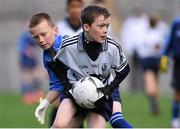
{"x":81,"y":47}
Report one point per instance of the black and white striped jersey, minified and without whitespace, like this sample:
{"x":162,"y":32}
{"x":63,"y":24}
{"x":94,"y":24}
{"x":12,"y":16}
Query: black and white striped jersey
{"x":73,"y":54}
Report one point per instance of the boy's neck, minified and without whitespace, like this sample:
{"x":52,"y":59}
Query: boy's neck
{"x":87,"y":37}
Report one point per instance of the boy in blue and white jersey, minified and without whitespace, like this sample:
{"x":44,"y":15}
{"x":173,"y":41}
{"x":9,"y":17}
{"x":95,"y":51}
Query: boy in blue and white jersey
{"x":55,"y":84}
{"x":46,"y":35}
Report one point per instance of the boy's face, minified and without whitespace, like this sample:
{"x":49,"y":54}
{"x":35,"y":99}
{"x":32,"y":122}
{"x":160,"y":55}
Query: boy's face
{"x":74,"y":9}
{"x":97,"y":31}
{"x":44,"y":34}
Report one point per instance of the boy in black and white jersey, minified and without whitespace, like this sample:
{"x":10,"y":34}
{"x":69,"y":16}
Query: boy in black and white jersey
{"x":93,"y":53}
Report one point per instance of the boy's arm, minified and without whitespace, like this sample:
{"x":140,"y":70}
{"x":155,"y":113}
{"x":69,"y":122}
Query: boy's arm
{"x":120,"y":76}
{"x":54,"y":90}
{"x":52,"y":96}
{"x":121,"y":67}
{"x":60,"y":69}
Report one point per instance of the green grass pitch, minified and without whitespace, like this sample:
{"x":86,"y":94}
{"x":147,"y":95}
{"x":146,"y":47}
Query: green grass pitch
{"x":14,"y":114}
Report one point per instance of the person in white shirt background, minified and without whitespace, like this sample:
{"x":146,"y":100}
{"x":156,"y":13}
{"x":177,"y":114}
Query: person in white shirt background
{"x":71,"y":24}
{"x":131,"y":33}
{"x":149,"y":54}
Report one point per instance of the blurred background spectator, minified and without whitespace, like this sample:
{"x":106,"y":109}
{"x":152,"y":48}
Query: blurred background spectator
{"x":71,"y":24}
{"x":148,"y":51}
{"x":30,"y":69}
{"x":132,"y":34}
{"x":171,"y":48}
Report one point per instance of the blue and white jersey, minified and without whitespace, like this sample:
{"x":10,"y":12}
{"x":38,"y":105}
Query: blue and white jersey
{"x":73,"y":54}
{"x":65,"y":30}
{"x":55,"y":84}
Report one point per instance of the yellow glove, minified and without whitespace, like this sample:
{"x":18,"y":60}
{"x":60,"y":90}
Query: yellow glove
{"x":164,"y":64}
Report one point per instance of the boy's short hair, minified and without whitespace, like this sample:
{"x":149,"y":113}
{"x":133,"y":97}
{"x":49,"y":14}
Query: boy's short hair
{"x":38,"y":18}
{"x":91,"y":12}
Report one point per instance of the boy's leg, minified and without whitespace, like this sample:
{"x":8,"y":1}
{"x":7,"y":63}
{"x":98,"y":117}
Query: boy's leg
{"x":176,"y":99}
{"x":76,"y":122}
{"x":117,"y":120}
{"x":152,"y":90}
{"x":175,"y":110}
{"x":95,"y":120}
{"x":64,"y":114}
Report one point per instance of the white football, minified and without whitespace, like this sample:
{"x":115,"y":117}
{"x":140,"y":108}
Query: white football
{"x":85,"y":91}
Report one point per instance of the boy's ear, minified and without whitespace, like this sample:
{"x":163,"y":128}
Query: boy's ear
{"x":56,"y":29}
{"x":86,"y":27}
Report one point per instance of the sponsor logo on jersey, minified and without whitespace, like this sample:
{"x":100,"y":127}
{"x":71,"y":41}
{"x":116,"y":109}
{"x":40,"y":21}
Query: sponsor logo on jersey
{"x":104,"y":67}
{"x":83,"y":66}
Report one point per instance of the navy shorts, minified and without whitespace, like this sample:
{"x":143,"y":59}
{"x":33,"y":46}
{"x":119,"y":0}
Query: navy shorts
{"x":150,"y":63}
{"x":176,"y":75}
{"x":104,"y":109}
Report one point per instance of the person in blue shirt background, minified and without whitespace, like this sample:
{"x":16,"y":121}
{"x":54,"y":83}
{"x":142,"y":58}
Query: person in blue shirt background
{"x":172,"y":48}
{"x":29,"y":65}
